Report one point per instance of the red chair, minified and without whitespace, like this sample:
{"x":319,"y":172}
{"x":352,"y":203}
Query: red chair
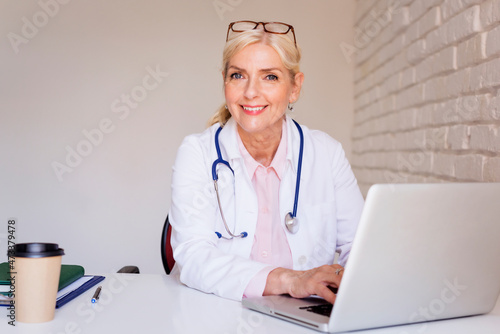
{"x":167,"y":255}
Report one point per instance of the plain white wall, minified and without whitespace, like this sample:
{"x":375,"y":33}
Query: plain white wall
{"x":67,"y":68}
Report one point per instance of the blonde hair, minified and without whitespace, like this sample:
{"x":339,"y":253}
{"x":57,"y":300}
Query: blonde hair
{"x":289,"y":53}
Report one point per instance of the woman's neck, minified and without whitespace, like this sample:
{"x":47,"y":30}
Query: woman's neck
{"x":262,"y":146}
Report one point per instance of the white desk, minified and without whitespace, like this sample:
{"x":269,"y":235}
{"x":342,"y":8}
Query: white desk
{"x":143,"y":304}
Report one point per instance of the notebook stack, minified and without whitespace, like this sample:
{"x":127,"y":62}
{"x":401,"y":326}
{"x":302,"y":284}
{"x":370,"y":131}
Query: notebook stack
{"x":72,"y":283}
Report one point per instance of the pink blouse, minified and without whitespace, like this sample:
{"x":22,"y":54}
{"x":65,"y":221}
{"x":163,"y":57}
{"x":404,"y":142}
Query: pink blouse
{"x":270,"y":244}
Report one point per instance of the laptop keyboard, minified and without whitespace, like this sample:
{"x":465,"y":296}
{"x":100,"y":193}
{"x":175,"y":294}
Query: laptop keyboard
{"x":323,"y":309}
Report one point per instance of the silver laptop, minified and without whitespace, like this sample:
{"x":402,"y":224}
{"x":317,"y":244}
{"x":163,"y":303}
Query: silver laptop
{"x":422,"y":252}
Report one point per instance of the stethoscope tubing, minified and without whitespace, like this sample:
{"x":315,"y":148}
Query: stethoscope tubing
{"x":215,"y":178}
{"x":219,"y":158}
{"x":242,"y":234}
{"x":299,"y":170}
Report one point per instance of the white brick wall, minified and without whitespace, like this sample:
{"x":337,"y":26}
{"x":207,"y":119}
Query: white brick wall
{"x":427,"y":91}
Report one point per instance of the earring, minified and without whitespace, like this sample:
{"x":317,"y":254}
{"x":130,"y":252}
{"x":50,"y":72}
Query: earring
{"x":225,"y":106}
{"x":290,"y":107}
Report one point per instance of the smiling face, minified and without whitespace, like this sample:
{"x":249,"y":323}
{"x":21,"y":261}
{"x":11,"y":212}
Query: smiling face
{"x":258,"y":89}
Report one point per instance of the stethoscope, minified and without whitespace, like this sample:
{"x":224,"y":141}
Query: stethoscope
{"x":291,"y":221}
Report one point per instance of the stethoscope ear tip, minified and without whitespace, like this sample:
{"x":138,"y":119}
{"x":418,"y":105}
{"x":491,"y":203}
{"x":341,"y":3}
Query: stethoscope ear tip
{"x":244,"y":234}
{"x":218,"y":235}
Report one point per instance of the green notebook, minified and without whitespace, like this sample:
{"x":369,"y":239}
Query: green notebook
{"x":4,"y":273}
{"x":69,"y":274}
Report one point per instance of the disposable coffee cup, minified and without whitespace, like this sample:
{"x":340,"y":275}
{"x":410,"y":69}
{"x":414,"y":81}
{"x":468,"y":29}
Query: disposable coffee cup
{"x":37,"y":267}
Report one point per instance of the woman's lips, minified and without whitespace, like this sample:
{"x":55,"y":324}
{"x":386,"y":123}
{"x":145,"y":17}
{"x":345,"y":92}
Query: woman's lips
{"x":253,"y":110}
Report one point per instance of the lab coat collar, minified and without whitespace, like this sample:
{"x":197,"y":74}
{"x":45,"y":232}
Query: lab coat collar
{"x":229,"y":143}
{"x":292,"y":153}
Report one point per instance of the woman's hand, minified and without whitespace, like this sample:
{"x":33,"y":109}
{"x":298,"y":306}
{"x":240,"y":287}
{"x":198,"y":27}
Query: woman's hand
{"x":300,"y":284}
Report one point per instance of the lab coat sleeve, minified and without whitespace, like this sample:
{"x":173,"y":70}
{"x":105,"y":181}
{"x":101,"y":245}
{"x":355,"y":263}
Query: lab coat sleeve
{"x":349,"y":204}
{"x":201,"y":263}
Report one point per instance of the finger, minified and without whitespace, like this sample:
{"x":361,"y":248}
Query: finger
{"x":313,"y":283}
{"x":333,"y":289}
{"x":316,"y":281}
{"x":329,"y":276}
{"x":335,"y":268}
{"x":338,"y":272}
{"x":326,"y":294}
{"x":338,"y":268}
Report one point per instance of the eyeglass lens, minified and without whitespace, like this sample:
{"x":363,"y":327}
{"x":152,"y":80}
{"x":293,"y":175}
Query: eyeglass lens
{"x":272,"y":27}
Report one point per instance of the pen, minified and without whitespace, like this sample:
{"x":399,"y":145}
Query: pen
{"x":96,"y":294}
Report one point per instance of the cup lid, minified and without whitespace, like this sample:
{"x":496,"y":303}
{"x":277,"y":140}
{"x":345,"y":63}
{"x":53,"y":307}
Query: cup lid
{"x":36,"y":249}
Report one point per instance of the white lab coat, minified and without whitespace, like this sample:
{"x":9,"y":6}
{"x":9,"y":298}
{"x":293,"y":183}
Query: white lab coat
{"x":329,"y":208}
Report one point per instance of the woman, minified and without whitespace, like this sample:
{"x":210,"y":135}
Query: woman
{"x":244,"y":239}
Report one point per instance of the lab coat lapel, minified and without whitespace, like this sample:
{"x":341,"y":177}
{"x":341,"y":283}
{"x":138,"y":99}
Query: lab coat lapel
{"x":288,"y":184}
{"x":242,"y":202}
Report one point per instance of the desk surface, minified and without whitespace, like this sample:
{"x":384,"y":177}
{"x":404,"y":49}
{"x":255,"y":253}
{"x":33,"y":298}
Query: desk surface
{"x":157,"y":303}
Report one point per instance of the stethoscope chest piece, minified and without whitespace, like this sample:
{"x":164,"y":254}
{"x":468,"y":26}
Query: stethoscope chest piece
{"x":291,"y":223}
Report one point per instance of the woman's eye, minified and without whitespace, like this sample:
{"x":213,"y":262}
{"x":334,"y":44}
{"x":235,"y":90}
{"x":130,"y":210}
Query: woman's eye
{"x":236,"y":76}
{"x":272,"y":77}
